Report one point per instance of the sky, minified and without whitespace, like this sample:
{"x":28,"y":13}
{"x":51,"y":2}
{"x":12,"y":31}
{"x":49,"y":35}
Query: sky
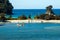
{"x":35,"y":4}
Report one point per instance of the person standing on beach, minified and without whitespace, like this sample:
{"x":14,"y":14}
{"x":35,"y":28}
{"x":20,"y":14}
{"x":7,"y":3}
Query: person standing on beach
{"x":29,"y":18}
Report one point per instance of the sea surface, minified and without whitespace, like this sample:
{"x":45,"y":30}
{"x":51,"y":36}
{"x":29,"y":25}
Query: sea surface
{"x":30,"y":31}
{"x":32,"y":12}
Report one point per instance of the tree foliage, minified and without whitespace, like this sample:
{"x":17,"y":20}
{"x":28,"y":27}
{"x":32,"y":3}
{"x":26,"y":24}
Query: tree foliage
{"x":5,"y":8}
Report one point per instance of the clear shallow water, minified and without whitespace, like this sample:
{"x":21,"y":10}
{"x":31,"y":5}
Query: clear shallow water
{"x":30,"y":31}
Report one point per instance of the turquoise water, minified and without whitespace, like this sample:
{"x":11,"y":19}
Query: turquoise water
{"x":30,"y":31}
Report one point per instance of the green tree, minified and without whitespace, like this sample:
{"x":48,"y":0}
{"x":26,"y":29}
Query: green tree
{"x":36,"y":17}
{"x":22,"y":17}
{"x":6,"y":8}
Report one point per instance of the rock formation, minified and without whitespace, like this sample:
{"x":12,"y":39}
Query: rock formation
{"x":49,"y":13}
{"x":49,"y":10}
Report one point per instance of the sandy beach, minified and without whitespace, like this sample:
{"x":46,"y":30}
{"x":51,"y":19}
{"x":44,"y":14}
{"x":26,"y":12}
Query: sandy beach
{"x":34,"y":21}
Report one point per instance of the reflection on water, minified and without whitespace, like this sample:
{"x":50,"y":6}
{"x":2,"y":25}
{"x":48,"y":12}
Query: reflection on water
{"x":34,"y":31}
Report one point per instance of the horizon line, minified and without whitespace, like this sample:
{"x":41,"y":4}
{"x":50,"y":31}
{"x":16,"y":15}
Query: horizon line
{"x":52,"y":8}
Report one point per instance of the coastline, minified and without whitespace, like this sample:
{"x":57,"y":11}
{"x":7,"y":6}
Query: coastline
{"x":34,"y":21}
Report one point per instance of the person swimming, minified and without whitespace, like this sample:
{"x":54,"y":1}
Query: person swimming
{"x":22,"y":24}
{"x":18,"y":24}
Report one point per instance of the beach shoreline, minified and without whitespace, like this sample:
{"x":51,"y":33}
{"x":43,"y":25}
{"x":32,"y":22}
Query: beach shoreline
{"x":34,"y":21}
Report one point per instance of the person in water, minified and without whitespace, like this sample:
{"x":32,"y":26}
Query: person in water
{"x":22,"y":24}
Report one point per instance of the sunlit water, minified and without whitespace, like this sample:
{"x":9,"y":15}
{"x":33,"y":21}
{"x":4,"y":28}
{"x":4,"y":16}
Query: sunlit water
{"x":30,"y":31}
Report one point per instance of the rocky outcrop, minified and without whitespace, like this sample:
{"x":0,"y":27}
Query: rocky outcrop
{"x":49,"y":15}
{"x":49,"y":10}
